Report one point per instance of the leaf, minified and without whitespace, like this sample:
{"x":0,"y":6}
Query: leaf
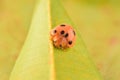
{"x":39,"y":60}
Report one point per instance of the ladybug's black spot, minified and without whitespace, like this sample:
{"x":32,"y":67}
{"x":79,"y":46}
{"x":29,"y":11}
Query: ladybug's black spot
{"x":74,"y":33}
{"x":55,"y":31}
{"x":70,"y":42}
{"x":60,"y":45}
{"x":66,"y":35}
{"x":62,"y":25}
{"x":62,"y":32}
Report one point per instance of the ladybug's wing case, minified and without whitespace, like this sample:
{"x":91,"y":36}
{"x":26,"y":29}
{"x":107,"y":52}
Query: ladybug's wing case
{"x":71,"y":38}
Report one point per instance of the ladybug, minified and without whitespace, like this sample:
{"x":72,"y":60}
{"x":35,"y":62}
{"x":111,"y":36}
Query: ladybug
{"x":63,"y":36}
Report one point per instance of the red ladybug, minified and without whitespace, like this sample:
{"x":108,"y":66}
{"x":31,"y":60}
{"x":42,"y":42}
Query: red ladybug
{"x":63,"y":36}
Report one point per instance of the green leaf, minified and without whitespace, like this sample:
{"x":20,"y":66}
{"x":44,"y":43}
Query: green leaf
{"x":39,"y":60}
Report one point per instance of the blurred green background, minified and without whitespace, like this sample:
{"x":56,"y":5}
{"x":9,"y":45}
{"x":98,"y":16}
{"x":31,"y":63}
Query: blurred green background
{"x":98,"y":21}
